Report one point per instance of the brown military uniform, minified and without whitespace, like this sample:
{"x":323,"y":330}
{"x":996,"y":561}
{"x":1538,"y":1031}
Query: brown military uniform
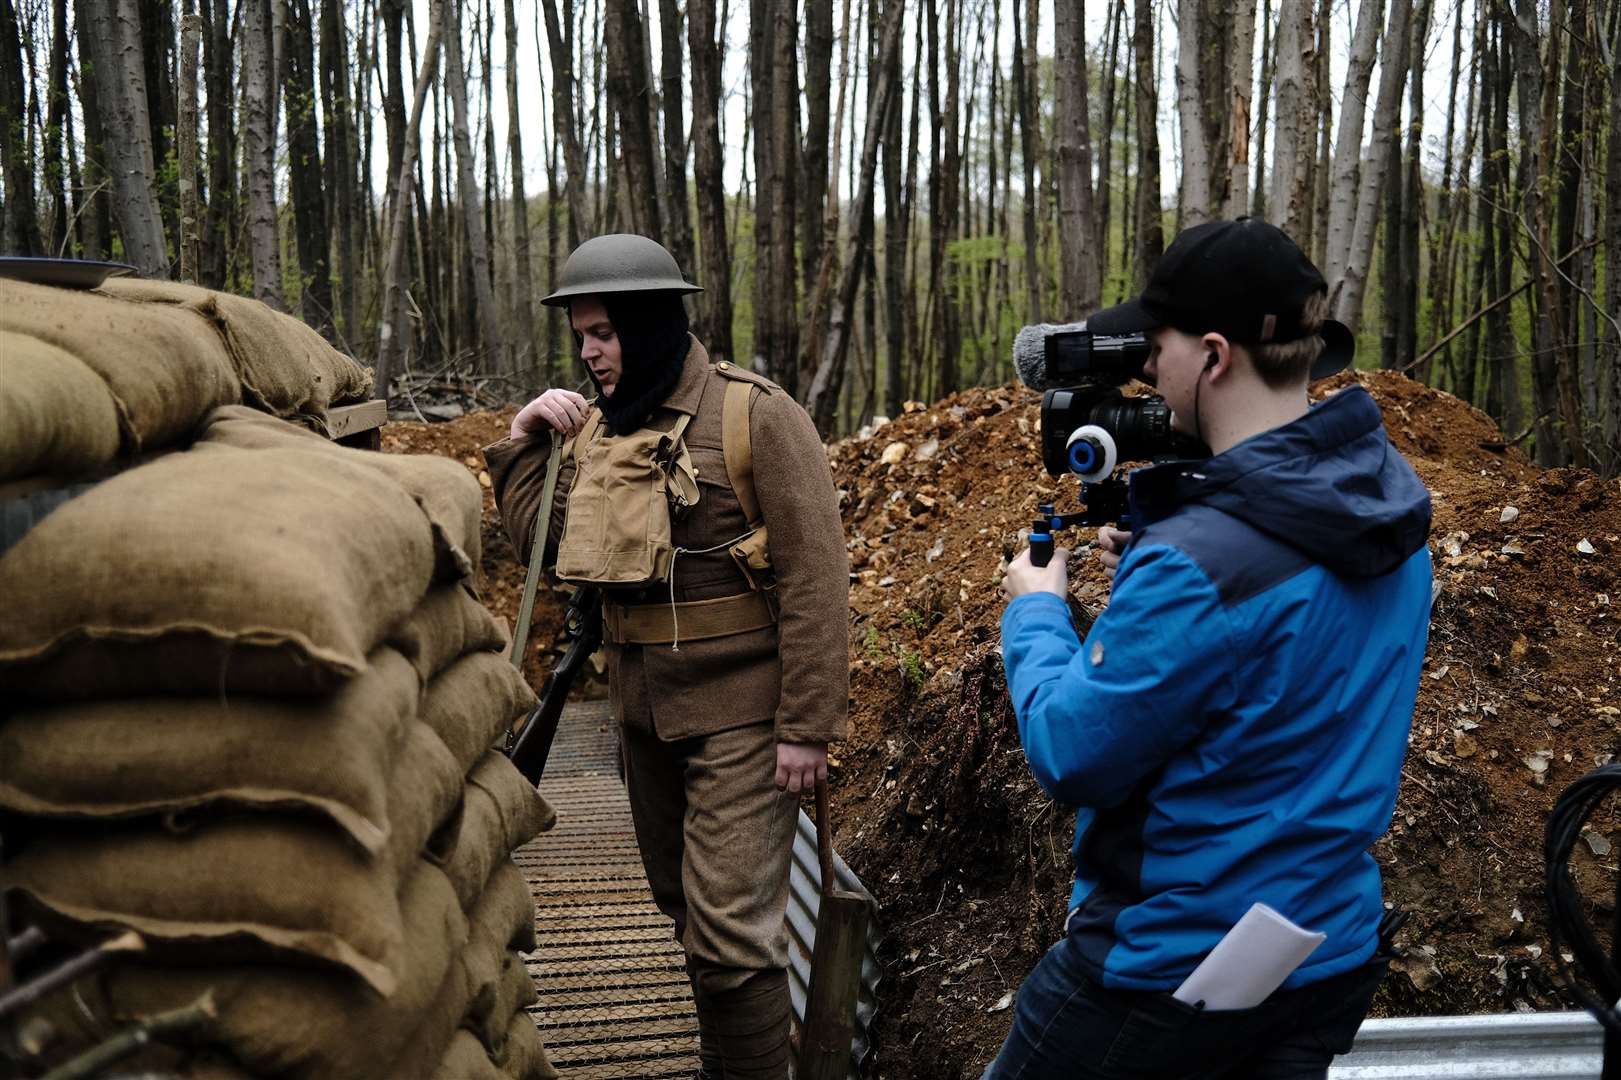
{"x":701,"y":721}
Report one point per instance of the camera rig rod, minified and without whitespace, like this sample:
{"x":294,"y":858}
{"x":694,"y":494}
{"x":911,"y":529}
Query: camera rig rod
{"x":1104,"y":503}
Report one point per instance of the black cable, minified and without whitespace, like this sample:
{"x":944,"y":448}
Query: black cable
{"x":1567,"y":917}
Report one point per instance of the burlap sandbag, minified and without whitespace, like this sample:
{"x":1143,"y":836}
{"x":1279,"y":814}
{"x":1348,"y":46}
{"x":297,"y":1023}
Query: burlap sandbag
{"x":474,"y":702}
{"x":525,"y":1053}
{"x":284,"y":365}
{"x":510,"y":990}
{"x":250,"y":887}
{"x":502,"y":926}
{"x":449,"y":624}
{"x":523,"y":1056}
{"x":500,"y":813}
{"x":330,"y":755}
{"x":294,"y":1022}
{"x":165,"y":367}
{"x":271,"y":572}
{"x":57,"y":417}
{"x":445,"y":489}
{"x":418,"y":1058}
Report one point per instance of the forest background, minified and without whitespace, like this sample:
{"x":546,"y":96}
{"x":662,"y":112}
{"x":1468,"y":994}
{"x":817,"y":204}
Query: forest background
{"x":874,"y":195}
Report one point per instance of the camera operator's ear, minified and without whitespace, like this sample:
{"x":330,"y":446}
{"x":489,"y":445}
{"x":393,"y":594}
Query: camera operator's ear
{"x":1213,"y":361}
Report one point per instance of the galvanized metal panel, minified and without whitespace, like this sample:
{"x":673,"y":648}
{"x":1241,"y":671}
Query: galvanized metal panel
{"x":1513,"y":1046}
{"x":804,"y":901}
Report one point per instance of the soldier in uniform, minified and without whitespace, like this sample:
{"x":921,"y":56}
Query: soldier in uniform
{"x":729,"y":674}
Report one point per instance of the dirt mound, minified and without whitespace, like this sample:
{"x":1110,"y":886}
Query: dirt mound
{"x":500,"y":576}
{"x":970,"y":860}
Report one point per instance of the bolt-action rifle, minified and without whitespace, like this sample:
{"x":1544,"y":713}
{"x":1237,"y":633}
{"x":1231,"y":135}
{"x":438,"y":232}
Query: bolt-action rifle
{"x":531,"y":744}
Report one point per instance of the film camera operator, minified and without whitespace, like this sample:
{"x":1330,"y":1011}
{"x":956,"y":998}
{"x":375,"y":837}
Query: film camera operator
{"x":1233,"y":727}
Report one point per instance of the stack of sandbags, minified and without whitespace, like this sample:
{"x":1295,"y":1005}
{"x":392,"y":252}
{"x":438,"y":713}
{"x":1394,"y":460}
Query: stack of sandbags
{"x":251,"y":705}
{"x":92,"y":379}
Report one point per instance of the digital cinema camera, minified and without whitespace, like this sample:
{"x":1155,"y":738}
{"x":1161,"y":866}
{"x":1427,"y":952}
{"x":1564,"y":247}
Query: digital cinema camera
{"x":1088,"y":427}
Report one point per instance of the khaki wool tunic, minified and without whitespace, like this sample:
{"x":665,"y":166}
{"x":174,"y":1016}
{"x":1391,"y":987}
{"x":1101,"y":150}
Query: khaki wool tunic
{"x":796,"y":673}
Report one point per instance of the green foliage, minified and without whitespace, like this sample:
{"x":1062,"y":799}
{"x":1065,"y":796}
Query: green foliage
{"x":912,"y":668}
{"x":872,"y":643}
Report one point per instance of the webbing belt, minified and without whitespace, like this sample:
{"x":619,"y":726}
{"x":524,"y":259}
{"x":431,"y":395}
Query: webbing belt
{"x":655,"y":624}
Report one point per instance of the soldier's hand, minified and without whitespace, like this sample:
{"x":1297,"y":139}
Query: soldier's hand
{"x":558,"y":409}
{"x":1023,"y":576}
{"x":800,"y":765}
{"x":1111,"y":545}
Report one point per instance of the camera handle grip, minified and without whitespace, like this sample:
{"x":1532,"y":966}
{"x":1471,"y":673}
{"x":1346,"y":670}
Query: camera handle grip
{"x":1041,"y":548}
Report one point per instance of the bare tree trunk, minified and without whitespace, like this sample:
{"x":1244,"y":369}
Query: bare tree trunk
{"x":467,"y":193}
{"x":56,"y":122}
{"x":948,"y":319}
{"x":715,"y":326}
{"x":304,"y":161}
{"x":566,"y":122}
{"x":115,"y":36}
{"x":259,"y":150}
{"x":774,"y":76}
{"x":1197,"y":166}
{"x":221,"y":225}
{"x":337,"y":110}
{"x":630,"y":89}
{"x":1111,"y":78}
{"x":1611,"y":414}
{"x":1348,"y":145}
{"x":1239,"y":73}
{"x":1290,"y":203}
{"x":1263,"y":99}
{"x":1412,"y":203}
{"x":1150,"y":227}
{"x":1029,"y":136}
{"x":895,"y":238}
{"x":191,"y":28}
{"x":1346,"y":292}
{"x":1079,"y":278}
{"x":677,"y":219}
{"x":388,"y":335}
{"x":523,"y":279}
{"x":20,"y":234}
{"x":813,"y":159}
{"x":824,"y":389}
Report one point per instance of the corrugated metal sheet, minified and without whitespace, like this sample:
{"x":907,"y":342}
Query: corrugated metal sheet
{"x":804,"y":901}
{"x":1514,"y":1046}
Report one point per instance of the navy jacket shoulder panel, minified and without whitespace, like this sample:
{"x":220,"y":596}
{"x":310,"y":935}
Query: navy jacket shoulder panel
{"x":1240,"y":560}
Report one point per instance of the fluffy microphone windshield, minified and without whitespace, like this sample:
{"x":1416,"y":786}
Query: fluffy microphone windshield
{"x":1030,"y":352}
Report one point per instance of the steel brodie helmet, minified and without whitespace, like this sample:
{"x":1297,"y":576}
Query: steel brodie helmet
{"x":618,"y":263}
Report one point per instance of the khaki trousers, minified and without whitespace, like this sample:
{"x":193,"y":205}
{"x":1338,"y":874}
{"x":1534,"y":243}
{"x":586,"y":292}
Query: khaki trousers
{"x":716,"y":837}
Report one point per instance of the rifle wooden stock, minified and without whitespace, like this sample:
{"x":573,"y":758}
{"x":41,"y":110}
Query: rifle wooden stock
{"x":532,"y":745}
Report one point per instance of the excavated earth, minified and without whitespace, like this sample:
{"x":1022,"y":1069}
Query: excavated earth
{"x":969,"y":859}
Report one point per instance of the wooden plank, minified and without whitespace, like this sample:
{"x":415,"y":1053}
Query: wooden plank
{"x":342,"y":421}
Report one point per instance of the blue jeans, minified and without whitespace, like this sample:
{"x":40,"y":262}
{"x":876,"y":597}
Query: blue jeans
{"x":1067,"y":1026}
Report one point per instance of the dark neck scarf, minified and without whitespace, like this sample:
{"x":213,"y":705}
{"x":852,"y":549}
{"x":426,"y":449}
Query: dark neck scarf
{"x":653,"y":346}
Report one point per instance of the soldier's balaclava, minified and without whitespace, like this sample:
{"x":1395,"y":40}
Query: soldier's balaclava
{"x":653,"y":344}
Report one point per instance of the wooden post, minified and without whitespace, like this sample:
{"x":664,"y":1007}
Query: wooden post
{"x":835,"y":980}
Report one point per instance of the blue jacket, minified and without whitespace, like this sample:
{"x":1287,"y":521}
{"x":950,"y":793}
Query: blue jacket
{"x":1234,"y":725}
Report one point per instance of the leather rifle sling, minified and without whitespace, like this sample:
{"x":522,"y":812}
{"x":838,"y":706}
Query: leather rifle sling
{"x":738,"y":450}
{"x":537,"y":552}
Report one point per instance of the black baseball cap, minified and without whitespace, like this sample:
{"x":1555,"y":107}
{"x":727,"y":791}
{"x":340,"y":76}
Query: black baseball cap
{"x":1243,"y":279}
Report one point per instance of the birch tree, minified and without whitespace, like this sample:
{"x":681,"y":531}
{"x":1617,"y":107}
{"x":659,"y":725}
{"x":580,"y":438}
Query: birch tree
{"x":1294,"y":131}
{"x":1346,"y":293}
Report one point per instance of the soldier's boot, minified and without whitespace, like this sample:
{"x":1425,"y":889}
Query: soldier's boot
{"x":745,"y":1026}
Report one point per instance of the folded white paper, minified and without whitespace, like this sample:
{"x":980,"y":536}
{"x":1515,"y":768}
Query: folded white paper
{"x":1249,"y":962}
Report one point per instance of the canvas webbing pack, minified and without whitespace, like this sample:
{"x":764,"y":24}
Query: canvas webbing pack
{"x":615,"y":535}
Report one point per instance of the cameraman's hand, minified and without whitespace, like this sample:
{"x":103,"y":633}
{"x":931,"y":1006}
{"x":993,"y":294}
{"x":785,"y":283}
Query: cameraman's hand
{"x":558,"y":409}
{"x":1111,"y":545}
{"x":1024,"y":577}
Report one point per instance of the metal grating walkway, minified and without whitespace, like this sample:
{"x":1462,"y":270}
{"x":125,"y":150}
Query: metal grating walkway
{"x":614,"y":998}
